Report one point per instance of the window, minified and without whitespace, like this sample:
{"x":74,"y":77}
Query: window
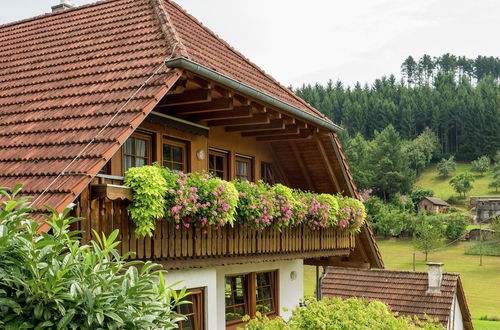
{"x":137,"y":151}
{"x":174,"y":155}
{"x":243,"y":168}
{"x":250,"y":293}
{"x":217,"y":163}
{"x":194,"y":311}
{"x":267,"y":173}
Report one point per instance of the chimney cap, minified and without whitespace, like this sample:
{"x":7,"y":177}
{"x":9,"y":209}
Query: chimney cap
{"x":63,"y":5}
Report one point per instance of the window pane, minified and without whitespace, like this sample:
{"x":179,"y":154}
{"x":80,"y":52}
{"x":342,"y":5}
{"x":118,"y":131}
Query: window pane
{"x":140,"y":162}
{"x":265,"y":306}
{"x":167,"y":152}
{"x":141,"y":147}
{"x":263,"y":279}
{"x":128,"y":146}
{"x":263,"y":293}
{"x":219,"y":163}
{"x":189,"y":323}
{"x":128,"y":162}
{"x":177,"y":154}
{"x":211,"y":162}
{"x":177,"y":167}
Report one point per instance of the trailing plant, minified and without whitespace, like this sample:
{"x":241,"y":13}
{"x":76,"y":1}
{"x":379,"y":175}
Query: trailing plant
{"x":149,"y":184}
{"x":316,"y":210}
{"x":256,"y":207}
{"x":201,"y":200}
{"x":50,"y":280}
{"x":351,"y":214}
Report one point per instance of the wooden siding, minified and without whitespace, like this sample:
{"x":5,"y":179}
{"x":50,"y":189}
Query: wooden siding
{"x":189,"y":247}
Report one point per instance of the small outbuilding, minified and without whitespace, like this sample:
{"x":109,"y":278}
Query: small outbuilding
{"x":432,"y":205}
{"x":434,"y":293}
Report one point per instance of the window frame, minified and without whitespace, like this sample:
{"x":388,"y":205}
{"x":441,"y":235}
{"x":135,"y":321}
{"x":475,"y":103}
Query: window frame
{"x":198,"y":309}
{"x":149,"y":148}
{"x":251,"y":287}
{"x":219,"y":153}
{"x":176,"y":143}
{"x":250,"y":168}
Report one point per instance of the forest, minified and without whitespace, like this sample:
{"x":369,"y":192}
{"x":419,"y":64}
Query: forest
{"x":457,"y":98}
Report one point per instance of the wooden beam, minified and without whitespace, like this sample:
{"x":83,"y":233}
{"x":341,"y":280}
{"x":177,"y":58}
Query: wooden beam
{"x":186,"y":109}
{"x":260,"y":118}
{"x":272,"y":124}
{"x":289,"y":129}
{"x":192,"y":96}
{"x":302,"y":166}
{"x":277,"y":165}
{"x":237,"y":112}
{"x":328,"y":166}
{"x":304,"y":134}
{"x":223,"y":92}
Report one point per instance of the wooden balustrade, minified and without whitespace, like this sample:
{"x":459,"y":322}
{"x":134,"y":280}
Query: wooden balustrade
{"x":189,"y":247}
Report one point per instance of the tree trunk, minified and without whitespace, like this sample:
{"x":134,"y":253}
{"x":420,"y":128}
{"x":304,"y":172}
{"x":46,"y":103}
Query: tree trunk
{"x":426,"y":256}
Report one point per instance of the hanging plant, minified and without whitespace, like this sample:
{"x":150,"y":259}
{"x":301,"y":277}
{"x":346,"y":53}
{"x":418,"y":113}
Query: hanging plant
{"x":201,"y":200}
{"x":351,"y":213}
{"x":284,"y":203}
{"x":316,"y":210}
{"x":149,"y":185}
{"x":255,"y":205}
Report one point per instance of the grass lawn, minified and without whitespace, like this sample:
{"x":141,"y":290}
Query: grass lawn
{"x":430,"y":179}
{"x":481,"y":283}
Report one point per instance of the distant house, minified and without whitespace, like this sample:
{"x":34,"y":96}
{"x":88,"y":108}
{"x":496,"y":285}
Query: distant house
{"x":486,"y":207}
{"x":432,"y":205}
{"x":434,"y":293}
{"x":480,"y":234}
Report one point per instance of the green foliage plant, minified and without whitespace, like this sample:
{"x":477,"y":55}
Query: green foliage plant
{"x":348,"y":314}
{"x":351,"y":213}
{"x":149,"y":184}
{"x":462,"y":183}
{"x":447,"y":166}
{"x":481,"y":165}
{"x":456,"y":226}
{"x":256,"y":205}
{"x":50,"y":281}
{"x":317,"y":211}
{"x":428,"y":233}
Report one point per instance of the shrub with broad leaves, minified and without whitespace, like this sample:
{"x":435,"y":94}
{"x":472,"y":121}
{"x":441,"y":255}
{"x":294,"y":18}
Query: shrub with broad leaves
{"x":51,"y":281}
{"x":351,"y":213}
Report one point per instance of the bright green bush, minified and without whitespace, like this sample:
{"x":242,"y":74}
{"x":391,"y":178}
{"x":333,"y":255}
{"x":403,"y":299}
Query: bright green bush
{"x":149,"y":184}
{"x":50,"y":280}
{"x":255,"y":205}
{"x":349,"y":314}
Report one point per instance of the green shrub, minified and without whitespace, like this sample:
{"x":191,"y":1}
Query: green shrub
{"x":349,"y":314}
{"x":456,"y":226}
{"x":50,"y":280}
{"x":255,"y":205}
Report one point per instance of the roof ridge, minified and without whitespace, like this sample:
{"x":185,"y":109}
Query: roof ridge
{"x":34,"y":18}
{"x":174,"y":43}
{"x":255,"y":66}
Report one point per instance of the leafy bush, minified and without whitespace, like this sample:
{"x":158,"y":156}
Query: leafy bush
{"x":255,"y":204}
{"x":457,"y":224}
{"x":49,"y":280}
{"x":447,"y":166}
{"x":285,"y":202}
{"x":351,"y":213}
{"x":462,"y":183}
{"x":428,"y":233}
{"x":150,"y":184}
{"x":481,"y":165}
{"x":201,"y":200}
{"x":346,"y":314}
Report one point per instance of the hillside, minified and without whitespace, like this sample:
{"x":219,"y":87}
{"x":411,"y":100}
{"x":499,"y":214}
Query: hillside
{"x":430,"y":179}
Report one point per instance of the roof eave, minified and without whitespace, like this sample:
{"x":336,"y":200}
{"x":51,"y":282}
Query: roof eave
{"x":184,"y":63}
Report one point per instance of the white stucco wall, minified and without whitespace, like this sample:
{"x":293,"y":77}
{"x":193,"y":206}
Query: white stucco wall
{"x":212,"y":280}
{"x":455,"y":321}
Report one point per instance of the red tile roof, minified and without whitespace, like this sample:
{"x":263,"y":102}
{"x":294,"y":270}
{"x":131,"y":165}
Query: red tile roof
{"x":75,"y":84}
{"x":403,"y":291}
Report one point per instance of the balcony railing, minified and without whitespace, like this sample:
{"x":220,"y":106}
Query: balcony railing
{"x":104,"y":205}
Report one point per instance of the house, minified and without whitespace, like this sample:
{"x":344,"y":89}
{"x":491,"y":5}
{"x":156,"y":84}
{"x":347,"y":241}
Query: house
{"x":432,"y":205}
{"x":483,"y":234}
{"x":87,"y":93}
{"x":434,"y":293}
{"x":486,"y":207}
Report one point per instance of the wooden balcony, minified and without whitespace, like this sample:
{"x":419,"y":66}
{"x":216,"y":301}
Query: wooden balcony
{"x":104,"y":205}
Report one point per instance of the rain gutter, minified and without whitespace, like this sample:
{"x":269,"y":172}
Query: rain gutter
{"x":183,"y":63}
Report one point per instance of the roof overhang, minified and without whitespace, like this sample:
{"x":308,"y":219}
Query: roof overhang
{"x":203,"y":71}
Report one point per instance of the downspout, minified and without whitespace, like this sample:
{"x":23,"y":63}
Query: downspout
{"x":181,"y":62}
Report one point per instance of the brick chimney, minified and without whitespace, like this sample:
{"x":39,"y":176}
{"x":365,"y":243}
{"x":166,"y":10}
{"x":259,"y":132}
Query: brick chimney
{"x":434,"y":277}
{"x":65,"y":4}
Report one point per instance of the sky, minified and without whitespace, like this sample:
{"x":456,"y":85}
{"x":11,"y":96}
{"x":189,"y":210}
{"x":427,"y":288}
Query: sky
{"x":299,"y":41}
